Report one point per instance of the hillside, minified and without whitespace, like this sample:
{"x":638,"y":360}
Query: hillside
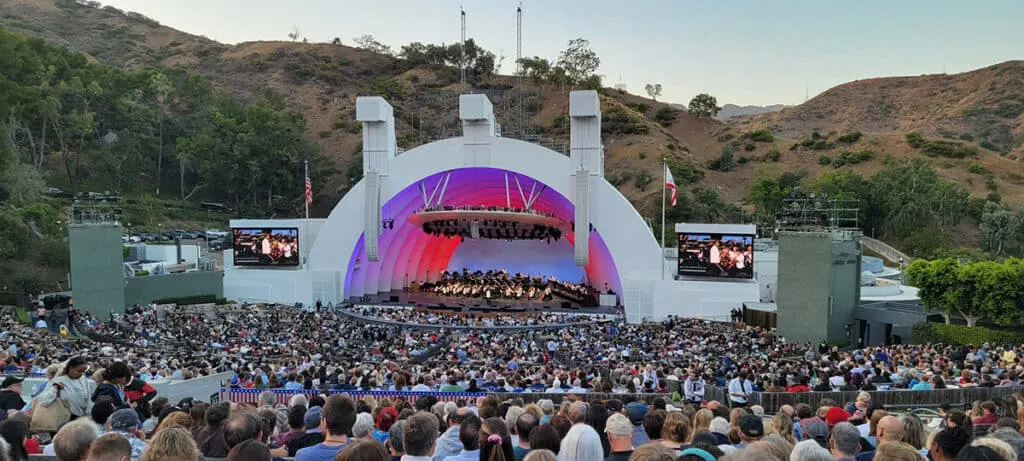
{"x":732,"y":110}
{"x":985,"y":106}
{"x":715,"y":163}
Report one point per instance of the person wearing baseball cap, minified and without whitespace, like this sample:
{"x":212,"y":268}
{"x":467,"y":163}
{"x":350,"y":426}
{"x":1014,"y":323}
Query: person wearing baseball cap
{"x":636,"y":412}
{"x":10,"y":396}
{"x":751,"y":430}
{"x":620,"y":437}
{"x":126,"y":422}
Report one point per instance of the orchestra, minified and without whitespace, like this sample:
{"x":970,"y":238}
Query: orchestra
{"x":501,"y":284}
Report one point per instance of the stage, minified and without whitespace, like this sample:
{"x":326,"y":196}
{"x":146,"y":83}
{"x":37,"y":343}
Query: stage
{"x":475,"y":305}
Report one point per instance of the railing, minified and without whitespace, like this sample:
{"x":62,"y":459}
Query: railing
{"x":884,"y":249}
{"x":283,"y":395}
{"x":545,"y":326}
{"x":900,"y":398}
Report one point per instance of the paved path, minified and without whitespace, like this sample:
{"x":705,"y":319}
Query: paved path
{"x":884,"y":249}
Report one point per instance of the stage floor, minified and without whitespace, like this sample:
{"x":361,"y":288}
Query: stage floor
{"x":431,"y":301}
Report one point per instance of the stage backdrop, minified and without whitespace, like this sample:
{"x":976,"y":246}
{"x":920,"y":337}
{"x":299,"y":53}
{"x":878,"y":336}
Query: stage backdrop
{"x":526,"y":256}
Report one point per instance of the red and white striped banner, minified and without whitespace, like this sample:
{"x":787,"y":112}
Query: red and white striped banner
{"x":284,"y":395}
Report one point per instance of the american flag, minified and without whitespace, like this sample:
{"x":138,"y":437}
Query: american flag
{"x":309,"y":190}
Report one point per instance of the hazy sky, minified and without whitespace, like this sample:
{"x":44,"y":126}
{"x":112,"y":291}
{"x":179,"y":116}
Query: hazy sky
{"x":741,"y":51}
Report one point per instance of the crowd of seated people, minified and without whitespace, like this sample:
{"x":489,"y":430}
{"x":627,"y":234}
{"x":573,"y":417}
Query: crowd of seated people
{"x":422,"y":317}
{"x":500,"y":284}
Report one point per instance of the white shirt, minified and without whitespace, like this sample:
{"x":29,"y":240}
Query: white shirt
{"x":737,"y":387}
{"x":693,"y":389}
{"x":266,"y":246}
{"x":714,"y":257}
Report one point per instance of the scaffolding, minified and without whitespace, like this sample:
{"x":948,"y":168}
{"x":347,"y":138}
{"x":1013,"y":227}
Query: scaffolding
{"x":93,"y":208}
{"x":817,"y":213}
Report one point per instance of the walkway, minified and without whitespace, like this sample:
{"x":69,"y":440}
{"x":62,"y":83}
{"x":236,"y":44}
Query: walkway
{"x":885,"y":250}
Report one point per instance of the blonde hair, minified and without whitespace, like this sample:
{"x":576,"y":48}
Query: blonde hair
{"x":653,"y":452}
{"x":784,"y":427}
{"x":540,"y":455}
{"x":702,"y":420}
{"x":171,"y":444}
{"x":175,"y":419}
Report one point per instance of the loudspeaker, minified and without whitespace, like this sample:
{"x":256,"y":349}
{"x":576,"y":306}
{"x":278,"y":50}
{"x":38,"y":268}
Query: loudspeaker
{"x":393,"y":299}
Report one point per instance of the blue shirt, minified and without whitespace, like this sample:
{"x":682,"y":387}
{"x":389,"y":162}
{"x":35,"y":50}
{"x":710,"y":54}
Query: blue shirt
{"x":639,"y":436}
{"x":466,"y":455}
{"x":318,"y":452}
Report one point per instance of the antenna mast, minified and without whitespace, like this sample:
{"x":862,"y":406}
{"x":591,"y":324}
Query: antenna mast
{"x":519,"y":44}
{"x":462,"y":58}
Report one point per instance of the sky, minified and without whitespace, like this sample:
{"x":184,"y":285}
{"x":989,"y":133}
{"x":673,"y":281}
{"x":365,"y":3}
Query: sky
{"x":743,"y":52}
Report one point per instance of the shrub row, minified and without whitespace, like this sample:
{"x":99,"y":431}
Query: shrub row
{"x":198,"y":299}
{"x":957,"y":335}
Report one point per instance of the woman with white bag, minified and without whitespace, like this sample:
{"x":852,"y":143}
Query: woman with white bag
{"x":71,"y":389}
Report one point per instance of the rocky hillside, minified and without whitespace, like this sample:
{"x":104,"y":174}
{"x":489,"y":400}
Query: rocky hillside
{"x":968,"y":126}
{"x":984,"y":106}
{"x":732,"y":110}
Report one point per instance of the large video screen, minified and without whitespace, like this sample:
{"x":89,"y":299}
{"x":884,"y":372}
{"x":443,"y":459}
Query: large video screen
{"x":265,"y":247}
{"x":716,"y":255}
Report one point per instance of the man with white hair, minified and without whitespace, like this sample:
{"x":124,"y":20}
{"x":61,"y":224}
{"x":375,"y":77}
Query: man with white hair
{"x":845,"y":442}
{"x":363,"y":427}
{"x":548,"y":407}
{"x":809,"y":450}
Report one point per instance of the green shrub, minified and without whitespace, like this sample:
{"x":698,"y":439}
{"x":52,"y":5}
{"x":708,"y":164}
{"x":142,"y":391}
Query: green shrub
{"x":986,"y":144}
{"x":994,"y":197}
{"x":821,"y":144}
{"x":852,"y":158}
{"x":141,"y":273}
{"x":742,"y":160}
{"x":617,"y":121}
{"x":724,"y":162}
{"x":967,"y":137}
{"x":773,"y":155}
{"x":198,"y":299}
{"x":915,"y":140}
{"x":990,"y":183}
{"x":795,"y":146}
{"x":958,"y":335}
{"x":666,"y":115}
{"x":642,"y":181}
{"x":849,"y":138}
{"x":824,"y":160}
{"x":386,"y":88}
{"x":639,"y":107}
{"x":762,"y":135}
{"x":976,"y":168}
{"x":642,"y":155}
{"x":948,"y":149}
{"x":558,"y":121}
{"x":749,"y":147}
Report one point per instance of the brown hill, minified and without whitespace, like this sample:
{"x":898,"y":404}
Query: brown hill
{"x":985,"y":106}
{"x":321,"y":80}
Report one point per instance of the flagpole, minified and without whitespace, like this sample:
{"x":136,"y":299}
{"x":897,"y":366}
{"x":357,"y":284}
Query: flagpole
{"x":664,"y":188}
{"x":306,"y":164}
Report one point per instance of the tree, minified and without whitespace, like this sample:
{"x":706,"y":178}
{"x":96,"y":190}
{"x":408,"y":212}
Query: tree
{"x":1003,"y":292}
{"x":536,"y":67}
{"x":160,"y":85}
{"x":336,"y":41}
{"x":654,"y":91}
{"x":369,"y":43}
{"x":704,"y":105}
{"x":295,"y":33}
{"x":935,"y":280}
{"x":578,"y":60}
{"x":999,"y":230}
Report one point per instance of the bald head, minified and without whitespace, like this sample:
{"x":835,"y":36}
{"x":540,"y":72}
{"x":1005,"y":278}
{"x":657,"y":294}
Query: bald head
{"x":890,"y":429}
{"x":456,"y":417}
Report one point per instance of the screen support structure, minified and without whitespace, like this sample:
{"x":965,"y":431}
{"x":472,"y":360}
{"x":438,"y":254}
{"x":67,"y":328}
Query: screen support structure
{"x":378,"y":119}
{"x":587,"y":154}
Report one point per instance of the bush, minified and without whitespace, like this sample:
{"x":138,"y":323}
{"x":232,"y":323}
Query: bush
{"x":773,"y":155}
{"x":824,"y":160}
{"x":749,"y":147}
{"x":986,"y":144}
{"x":849,"y":138}
{"x":141,"y":273}
{"x":960,"y":335}
{"x":852,"y":158}
{"x":639,"y":107}
{"x":642,"y":181}
{"x":915,"y":140}
{"x":642,"y":155}
{"x":617,"y":121}
{"x":724,"y":162}
{"x":760,"y":136}
{"x":666,"y":115}
{"x":187,"y":300}
{"x":976,"y":168}
{"x":967,"y":137}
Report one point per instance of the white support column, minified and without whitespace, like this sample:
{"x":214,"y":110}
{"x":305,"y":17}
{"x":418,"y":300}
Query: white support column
{"x":378,"y":119}
{"x":478,"y":127}
{"x":587,"y":155}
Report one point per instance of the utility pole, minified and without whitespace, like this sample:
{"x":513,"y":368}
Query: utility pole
{"x":462,"y":58}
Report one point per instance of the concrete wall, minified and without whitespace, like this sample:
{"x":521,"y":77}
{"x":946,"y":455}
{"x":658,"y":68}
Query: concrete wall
{"x":803,"y":288}
{"x":143,"y":290}
{"x":844,"y":265}
{"x":766,"y":271}
{"x":97,"y":267}
{"x":819,"y":286}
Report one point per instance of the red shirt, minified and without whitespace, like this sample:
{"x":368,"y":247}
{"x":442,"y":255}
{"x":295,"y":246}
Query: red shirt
{"x":32,"y":446}
{"x":798,"y":388}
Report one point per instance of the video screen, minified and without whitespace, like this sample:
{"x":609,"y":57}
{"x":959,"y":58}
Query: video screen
{"x":716,"y":255}
{"x":265,"y":247}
